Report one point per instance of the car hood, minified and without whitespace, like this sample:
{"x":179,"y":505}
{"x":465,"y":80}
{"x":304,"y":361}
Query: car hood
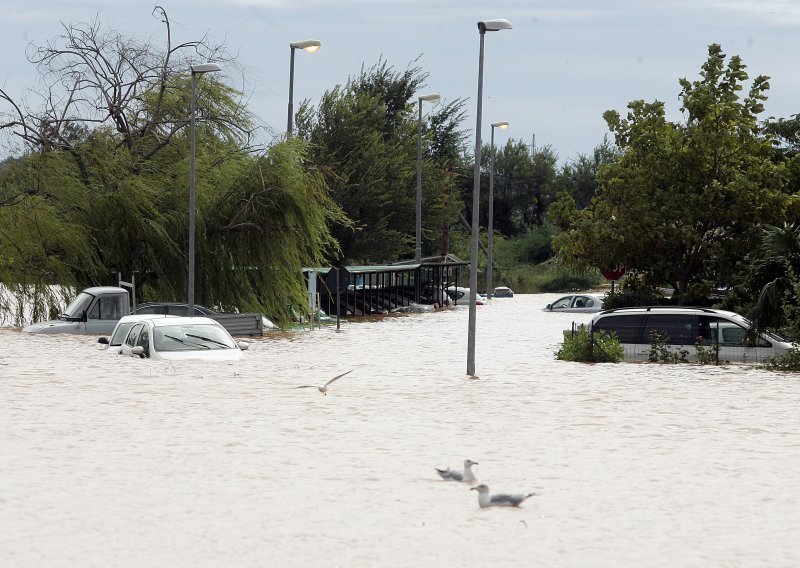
{"x":212,"y":355}
{"x":53,"y":326}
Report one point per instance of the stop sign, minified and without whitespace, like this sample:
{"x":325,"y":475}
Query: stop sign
{"x":613,"y":273}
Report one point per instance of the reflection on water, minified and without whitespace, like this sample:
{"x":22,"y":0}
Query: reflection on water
{"x":113,"y":461}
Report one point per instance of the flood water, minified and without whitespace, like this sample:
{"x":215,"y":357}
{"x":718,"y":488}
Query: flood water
{"x":113,"y":461}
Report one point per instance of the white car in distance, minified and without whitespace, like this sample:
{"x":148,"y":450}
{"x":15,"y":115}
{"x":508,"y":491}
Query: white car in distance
{"x":181,"y":339}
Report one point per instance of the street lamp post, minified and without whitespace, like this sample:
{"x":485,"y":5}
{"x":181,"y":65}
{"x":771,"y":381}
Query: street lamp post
{"x":433,"y":97}
{"x":196,"y":70}
{"x":489,"y":259}
{"x":309,"y":45}
{"x":483,"y":27}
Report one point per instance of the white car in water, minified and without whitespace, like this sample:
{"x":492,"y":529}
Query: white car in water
{"x":122,"y":328}
{"x":181,"y":339}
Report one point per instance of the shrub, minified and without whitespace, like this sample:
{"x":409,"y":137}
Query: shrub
{"x":788,"y":362}
{"x":601,"y":348}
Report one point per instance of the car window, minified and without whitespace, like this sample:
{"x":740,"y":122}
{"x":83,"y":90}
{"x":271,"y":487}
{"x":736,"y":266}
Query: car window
{"x":627,"y":327}
{"x":674,"y":329}
{"x":561,"y":303}
{"x":120,"y":332}
{"x":581,"y":301}
{"x":177,"y":310}
{"x":106,"y":308}
{"x":133,"y":335}
{"x":144,"y":340}
{"x":729,"y":333}
{"x":150,"y":310}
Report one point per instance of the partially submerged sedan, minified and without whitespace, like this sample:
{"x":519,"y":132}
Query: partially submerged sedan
{"x":122,"y":328}
{"x":181,"y":339}
{"x":577,"y":303}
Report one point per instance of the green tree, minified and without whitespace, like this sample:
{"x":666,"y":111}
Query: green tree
{"x":363,"y":136}
{"x":102,"y":187}
{"x":683,"y":203}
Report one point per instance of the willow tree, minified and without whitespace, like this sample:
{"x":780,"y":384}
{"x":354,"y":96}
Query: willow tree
{"x":683,"y":203}
{"x":102,"y":187}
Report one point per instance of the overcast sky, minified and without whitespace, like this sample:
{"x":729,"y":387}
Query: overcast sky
{"x":552,"y":76}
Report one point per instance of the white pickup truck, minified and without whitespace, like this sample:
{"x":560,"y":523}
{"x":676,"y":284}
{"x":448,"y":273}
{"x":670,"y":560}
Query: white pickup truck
{"x":95,"y":311}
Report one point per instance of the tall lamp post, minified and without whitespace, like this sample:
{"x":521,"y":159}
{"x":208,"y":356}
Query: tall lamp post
{"x":196,"y":70}
{"x":309,"y":45}
{"x":489,"y":260}
{"x":433,"y":97}
{"x":483,"y":27}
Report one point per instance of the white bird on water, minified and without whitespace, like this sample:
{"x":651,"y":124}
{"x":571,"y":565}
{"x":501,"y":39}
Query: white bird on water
{"x":324,"y":388}
{"x":450,"y":475}
{"x":499,"y":499}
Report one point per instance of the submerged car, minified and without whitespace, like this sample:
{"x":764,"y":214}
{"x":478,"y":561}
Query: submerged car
{"x":503,"y":292}
{"x":577,"y":303}
{"x":182,"y":309}
{"x":180,"y":339}
{"x":683,"y":328}
{"x":122,"y":328}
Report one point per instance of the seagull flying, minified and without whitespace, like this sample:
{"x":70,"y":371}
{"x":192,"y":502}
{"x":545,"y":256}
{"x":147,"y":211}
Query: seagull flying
{"x":499,"y":499}
{"x":450,"y":475}
{"x":324,"y":388}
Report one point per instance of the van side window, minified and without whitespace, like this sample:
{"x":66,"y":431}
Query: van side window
{"x":675,"y":328}
{"x":627,"y":327}
{"x":731,"y":333}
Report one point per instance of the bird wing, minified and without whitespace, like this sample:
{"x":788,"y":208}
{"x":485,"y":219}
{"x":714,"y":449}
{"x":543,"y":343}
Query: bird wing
{"x":449,"y":474}
{"x":337,"y":377}
{"x":307,"y":387}
{"x":505,"y":499}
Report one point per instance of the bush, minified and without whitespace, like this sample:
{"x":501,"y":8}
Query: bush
{"x":789,"y":362}
{"x":601,"y":348}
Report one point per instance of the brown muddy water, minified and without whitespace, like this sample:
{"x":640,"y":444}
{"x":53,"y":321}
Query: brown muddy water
{"x":112,"y":461}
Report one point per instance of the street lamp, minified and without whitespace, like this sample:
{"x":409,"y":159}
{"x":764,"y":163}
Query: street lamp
{"x":309,"y":45}
{"x":196,"y":70}
{"x":483,"y":27}
{"x":433,"y":97}
{"x":489,"y":260}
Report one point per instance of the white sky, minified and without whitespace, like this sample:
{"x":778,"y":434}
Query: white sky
{"x":552,"y":76}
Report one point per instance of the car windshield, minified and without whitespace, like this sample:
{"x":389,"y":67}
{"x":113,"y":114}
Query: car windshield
{"x":78,"y":306}
{"x":192,"y":337}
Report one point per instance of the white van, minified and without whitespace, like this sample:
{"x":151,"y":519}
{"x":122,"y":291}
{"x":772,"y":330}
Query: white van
{"x":686,"y":328}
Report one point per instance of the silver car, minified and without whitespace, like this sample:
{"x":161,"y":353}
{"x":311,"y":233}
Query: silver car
{"x":577,"y":303}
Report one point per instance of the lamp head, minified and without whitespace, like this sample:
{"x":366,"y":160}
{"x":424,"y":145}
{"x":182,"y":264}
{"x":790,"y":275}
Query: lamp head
{"x":432,"y":97}
{"x":205,"y":68}
{"x":309,"y":45}
{"x":494,"y":25}
{"x":502,"y":124}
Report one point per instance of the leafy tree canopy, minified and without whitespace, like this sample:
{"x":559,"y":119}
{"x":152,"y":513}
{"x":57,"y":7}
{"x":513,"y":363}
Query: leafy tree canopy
{"x":683,"y":202}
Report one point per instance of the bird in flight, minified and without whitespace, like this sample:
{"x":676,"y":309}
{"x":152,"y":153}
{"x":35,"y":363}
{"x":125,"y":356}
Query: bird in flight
{"x":324,"y":388}
{"x":499,"y":499}
{"x":450,"y":475}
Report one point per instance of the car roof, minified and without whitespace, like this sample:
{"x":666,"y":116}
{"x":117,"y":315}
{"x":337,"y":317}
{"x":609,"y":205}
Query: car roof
{"x":671,"y":310}
{"x":95,"y":290}
{"x":179,"y":320}
{"x":140,"y":317}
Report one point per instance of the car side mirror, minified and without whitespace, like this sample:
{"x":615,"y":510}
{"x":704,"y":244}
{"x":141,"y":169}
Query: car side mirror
{"x":103,"y":340}
{"x":243,"y":345}
{"x":138,"y":350}
{"x":548,"y":306}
